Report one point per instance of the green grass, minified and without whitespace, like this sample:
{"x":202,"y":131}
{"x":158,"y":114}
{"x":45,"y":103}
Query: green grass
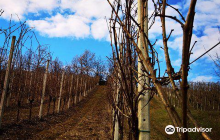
{"x":160,"y":119}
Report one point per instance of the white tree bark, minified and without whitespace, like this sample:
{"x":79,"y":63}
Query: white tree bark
{"x":143,"y":109}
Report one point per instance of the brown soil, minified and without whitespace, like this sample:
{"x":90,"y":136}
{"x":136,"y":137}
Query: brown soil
{"x":89,"y":120}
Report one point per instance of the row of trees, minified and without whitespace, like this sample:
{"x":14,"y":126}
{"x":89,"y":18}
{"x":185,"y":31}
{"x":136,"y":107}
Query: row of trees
{"x":202,"y":96}
{"x":136,"y":75}
{"x":31,"y":78}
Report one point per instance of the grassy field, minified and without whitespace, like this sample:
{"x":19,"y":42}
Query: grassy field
{"x":160,"y":119}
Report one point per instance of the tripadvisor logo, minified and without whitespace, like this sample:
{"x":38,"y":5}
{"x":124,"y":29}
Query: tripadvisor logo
{"x":170,"y":129}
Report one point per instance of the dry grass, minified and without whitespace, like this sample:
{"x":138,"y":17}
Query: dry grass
{"x":160,"y":119}
{"x":89,"y":119}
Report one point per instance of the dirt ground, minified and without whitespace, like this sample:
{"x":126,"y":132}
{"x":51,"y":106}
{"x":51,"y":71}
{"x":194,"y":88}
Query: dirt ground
{"x":89,"y":120}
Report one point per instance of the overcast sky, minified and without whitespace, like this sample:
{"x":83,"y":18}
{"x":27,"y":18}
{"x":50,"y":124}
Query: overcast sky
{"x":71,"y":26}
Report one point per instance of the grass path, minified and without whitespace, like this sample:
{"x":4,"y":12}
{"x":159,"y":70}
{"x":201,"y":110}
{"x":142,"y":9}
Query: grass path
{"x":91,"y":121}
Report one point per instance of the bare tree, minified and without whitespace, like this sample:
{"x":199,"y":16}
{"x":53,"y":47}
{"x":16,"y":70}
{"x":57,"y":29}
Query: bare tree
{"x":216,"y":61}
{"x":86,"y":61}
{"x":29,"y":85}
{"x":124,"y":32}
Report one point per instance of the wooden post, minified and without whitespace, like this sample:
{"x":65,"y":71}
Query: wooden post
{"x":76,"y":91}
{"x":116,"y":126}
{"x":43,"y":91}
{"x":71,"y":86}
{"x":6,"y":82}
{"x":117,"y":135}
{"x":10,"y":86}
{"x":61,"y":88}
{"x":85,"y":90}
{"x":81,"y":90}
{"x":143,"y":109}
{"x":213,"y":105}
{"x":75,"y":99}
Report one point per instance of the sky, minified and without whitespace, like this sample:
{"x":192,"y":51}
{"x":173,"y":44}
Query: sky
{"x":72,"y":26}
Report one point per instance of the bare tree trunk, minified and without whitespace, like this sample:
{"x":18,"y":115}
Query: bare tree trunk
{"x":6,"y":82}
{"x":60,"y":96}
{"x":187,"y":35}
{"x":43,"y":92}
